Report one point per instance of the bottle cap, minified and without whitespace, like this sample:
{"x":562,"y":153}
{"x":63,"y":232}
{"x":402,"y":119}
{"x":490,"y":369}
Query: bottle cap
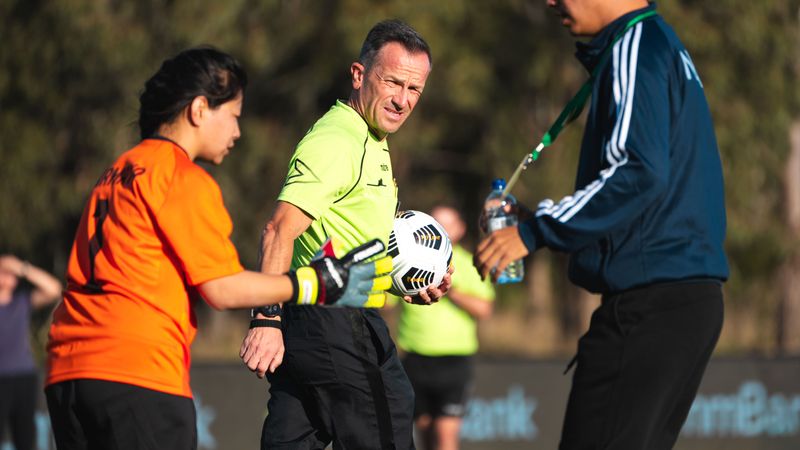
{"x":498,"y":184}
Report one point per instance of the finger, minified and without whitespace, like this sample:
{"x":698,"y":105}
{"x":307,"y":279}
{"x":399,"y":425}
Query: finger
{"x":363,"y":252}
{"x":446,"y":279}
{"x":249,"y":352}
{"x":499,"y":268}
{"x":483,"y":244}
{"x":484,"y":262}
{"x":383,"y":265}
{"x":381,"y":283}
{"x":252,"y":363}
{"x":372,"y":286}
{"x":262,"y":368}
{"x":434,"y":293}
{"x":445,"y":285}
{"x":243,"y":348}
{"x":276,"y":361}
{"x":482,"y":255}
{"x":408,"y":299}
{"x":492,"y":257}
{"x":375,"y":301}
{"x":504,"y":261}
{"x":425,"y":297}
{"x":256,"y":357}
{"x":255,"y":351}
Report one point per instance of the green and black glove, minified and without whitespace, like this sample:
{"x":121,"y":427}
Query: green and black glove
{"x":345,"y":282}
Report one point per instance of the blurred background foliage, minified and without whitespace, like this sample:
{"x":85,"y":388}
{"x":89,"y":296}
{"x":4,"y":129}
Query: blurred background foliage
{"x":71,"y":72}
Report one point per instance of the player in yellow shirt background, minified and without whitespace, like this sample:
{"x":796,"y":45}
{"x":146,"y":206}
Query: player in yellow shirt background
{"x":440,"y":341}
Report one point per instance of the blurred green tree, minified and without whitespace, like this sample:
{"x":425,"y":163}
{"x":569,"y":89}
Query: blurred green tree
{"x":71,"y":72}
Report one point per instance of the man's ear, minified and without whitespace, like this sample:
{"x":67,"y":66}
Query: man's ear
{"x":357,"y":72}
{"x":197,"y":109}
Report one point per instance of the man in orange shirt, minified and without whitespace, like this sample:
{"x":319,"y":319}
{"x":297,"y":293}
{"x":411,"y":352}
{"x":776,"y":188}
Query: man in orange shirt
{"x":154,"y":235}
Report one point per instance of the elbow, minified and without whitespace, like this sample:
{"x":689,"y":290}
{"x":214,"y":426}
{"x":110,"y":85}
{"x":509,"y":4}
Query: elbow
{"x":215,"y":303}
{"x":654,"y":184}
{"x":214,"y":296}
{"x":55,"y":293}
{"x":217,"y":306}
{"x":483,"y":311}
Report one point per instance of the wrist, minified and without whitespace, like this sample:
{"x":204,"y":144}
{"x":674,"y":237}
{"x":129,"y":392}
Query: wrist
{"x":527,"y":232}
{"x":305,"y":285}
{"x":265,"y":323}
{"x":270,"y":312}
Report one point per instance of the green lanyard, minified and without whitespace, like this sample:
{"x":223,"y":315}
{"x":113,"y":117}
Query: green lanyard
{"x":575,"y":106}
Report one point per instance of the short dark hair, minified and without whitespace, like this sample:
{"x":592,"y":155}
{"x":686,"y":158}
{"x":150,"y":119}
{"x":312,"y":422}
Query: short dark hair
{"x":387,"y":31}
{"x":200,"y":71}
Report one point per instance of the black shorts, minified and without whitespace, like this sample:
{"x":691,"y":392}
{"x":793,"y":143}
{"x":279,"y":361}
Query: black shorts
{"x":18,"y":407}
{"x":639,"y":366}
{"x":95,"y":414}
{"x":441,"y":383}
{"x":341,"y":382}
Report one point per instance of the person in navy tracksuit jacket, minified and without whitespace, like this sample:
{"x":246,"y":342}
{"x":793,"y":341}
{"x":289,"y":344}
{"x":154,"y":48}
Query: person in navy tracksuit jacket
{"x":644,"y":228}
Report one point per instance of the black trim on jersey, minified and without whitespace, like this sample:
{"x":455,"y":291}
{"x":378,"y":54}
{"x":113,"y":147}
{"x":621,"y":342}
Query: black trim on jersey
{"x":360,"y":171}
{"x":299,"y":173}
{"x":159,"y":137}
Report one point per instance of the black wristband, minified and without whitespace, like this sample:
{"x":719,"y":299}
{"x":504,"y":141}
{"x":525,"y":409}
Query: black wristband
{"x":262,"y":323}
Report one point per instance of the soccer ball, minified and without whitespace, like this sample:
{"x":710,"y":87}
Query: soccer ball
{"x":421,"y":252}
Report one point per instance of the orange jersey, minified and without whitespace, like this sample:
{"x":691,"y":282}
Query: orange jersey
{"x":155,"y":226}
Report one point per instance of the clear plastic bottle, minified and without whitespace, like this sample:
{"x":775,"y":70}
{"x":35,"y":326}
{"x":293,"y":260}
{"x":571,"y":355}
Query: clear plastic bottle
{"x":498,"y":217}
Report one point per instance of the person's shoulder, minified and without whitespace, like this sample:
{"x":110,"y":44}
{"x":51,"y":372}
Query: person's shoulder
{"x":659,"y":47}
{"x":152,"y":156}
{"x":340,"y":126}
{"x":659,"y":39}
{"x":170,"y":164}
{"x":143,"y":164}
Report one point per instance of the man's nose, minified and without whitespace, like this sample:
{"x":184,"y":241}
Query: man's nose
{"x":400,"y":98}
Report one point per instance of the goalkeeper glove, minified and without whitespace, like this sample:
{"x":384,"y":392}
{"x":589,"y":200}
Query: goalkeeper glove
{"x":345,"y":282}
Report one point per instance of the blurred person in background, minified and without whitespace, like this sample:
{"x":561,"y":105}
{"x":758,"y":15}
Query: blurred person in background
{"x":19,"y":382}
{"x":440,"y":341}
{"x":645,"y":228}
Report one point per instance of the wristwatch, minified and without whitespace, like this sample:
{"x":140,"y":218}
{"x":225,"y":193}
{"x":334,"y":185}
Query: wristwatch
{"x":269,"y":311}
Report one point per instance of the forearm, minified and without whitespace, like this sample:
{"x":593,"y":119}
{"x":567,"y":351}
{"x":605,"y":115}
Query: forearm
{"x":47,"y":288}
{"x":276,"y":250}
{"x":476,"y":307}
{"x":276,"y":254}
{"x":277,"y":240}
{"x":247,"y":289}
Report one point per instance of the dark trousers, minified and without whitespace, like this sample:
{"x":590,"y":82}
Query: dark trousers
{"x":17,"y":409}
{"x":103,"y":415}
{"x":341,"y":382}
{"x":639,"y":366}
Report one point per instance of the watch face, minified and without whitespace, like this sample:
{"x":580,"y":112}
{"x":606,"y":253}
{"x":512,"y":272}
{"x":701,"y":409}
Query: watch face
{"x":271,"y":310}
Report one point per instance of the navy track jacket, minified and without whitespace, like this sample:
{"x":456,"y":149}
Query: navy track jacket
{"x":649,"y":204}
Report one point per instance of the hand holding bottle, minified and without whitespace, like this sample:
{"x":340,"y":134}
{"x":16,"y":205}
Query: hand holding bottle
{"x":498,"y":213}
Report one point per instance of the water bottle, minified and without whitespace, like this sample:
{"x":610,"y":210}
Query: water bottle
{"x":497,"y":217}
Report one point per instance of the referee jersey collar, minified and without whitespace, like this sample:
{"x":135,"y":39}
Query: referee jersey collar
{"x":357,"y":119}
{"x":589,"y":53}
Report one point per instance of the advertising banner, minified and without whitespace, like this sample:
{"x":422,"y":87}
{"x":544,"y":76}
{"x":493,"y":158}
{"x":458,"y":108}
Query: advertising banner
{"x":743,"y":404}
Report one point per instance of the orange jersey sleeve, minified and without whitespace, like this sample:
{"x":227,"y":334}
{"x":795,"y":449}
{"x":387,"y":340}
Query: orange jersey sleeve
{"x":154,"y":227}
